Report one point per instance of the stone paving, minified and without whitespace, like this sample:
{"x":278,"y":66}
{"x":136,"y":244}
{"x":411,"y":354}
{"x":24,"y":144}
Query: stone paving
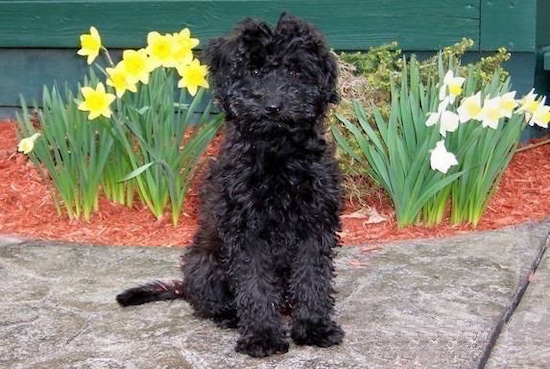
{"x":445,"y":303}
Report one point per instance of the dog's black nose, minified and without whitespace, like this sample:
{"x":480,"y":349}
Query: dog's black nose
{"x":272,"y":107}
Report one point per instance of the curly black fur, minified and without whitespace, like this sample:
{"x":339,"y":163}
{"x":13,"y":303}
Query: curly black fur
{"x":270,"y":203}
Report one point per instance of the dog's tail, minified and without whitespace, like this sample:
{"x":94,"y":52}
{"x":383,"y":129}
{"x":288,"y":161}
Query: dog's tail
{"x":153,"y":291}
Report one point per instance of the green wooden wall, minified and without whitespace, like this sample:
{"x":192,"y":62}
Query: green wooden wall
{"x":542,"y":69}
{"x":38,"y":39}
{"x":347,"y":24}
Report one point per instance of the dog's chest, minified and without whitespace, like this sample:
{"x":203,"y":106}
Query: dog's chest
{"x":284,"y":186}
{"x":276,"y":187}
{"x":276,"y":191}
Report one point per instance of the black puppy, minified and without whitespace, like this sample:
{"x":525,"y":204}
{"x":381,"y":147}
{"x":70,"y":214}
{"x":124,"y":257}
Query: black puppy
{"x":270,"y":203}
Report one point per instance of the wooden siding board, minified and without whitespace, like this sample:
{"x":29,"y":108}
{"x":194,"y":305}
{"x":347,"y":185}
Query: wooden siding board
{"x":508,"y":23}
{"x":26,"y":71}
{"x":543,"y":23}
{"x":348,"y":24}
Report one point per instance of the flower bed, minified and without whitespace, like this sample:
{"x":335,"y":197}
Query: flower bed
{"x":26,"y":208}
{"x":109,"y":154}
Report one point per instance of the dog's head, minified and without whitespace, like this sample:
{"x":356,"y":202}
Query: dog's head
{"x":284,"y":74}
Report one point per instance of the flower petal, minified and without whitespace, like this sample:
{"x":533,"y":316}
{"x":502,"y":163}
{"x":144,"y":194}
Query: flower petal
{"x":449,"y":122}
{"x":469,"y":108}
{"x":541,"y":116}
{"x":441,"y":159}
{"x":90,"y":45}
{"x":96,"y":101}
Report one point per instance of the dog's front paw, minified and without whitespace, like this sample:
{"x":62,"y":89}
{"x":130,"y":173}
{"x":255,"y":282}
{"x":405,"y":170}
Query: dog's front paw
{"x":322,"y":334}
{"x":261,"y":345}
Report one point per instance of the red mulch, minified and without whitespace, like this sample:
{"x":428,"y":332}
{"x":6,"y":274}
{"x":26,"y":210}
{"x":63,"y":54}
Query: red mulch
{"x":26,"y":209}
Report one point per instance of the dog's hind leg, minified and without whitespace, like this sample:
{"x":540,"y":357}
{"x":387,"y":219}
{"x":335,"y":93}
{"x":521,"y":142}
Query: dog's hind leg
{"x":207,"y":287}
{"x":310,"y":291}
{"x":204,"y":286}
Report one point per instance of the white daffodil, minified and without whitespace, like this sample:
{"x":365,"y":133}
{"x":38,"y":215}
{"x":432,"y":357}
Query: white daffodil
{"x":441,"y":159}
{"x":27,"y":144}
{"x":541,"y":116}
{"x":433,"y":118}
{"x":452,"y":86}
{"x":491,"y":113}
{"x":529,"y":104}
{"x":508,"y":103}
{"x":469,"y":108}
{"x":448,"y":120}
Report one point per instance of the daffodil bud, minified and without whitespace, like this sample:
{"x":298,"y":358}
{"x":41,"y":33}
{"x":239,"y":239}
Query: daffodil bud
{"x":26,"y":145}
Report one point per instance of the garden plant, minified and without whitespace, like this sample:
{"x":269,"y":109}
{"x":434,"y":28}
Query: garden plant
{"x":446,"y":139}
{"x":435,"y":134}
{"x":128,"y":130}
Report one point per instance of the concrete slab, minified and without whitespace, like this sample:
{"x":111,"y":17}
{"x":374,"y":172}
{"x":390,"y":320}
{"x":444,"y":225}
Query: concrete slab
{"x":419,"y":304}
{"x":525,"y":339}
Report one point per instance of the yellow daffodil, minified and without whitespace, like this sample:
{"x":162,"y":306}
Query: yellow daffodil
{"x":469,"y":108}
{"x":27,"y":144}
{"x":161,"y":49}
{"x":541,"y":116}
{"x":452,"y":86}
{"x":90,"y":45}
{"x":441,"y":159}
{"x":508,"y":103}
{"x":184,"y":45}
{"x":529,"y":104}
{"x":121,"y":80}
{"x":137,"y":64}
{"x":491,"y":112}
{"x":193,"y":76}
{"x":96,"y":101}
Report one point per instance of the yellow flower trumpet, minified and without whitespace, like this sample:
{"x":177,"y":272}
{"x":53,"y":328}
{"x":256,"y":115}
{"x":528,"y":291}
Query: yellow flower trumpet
{"x":96,"y":101}
{"x":121,"y":80}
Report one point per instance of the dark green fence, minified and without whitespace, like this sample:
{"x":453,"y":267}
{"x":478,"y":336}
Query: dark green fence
{"x":38,"y":39}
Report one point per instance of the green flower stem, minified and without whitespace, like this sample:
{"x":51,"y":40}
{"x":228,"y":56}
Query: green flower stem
{"x":121,"y":135}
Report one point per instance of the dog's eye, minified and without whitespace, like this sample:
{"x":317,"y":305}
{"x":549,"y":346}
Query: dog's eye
{"x":293,"y":72}
{"x":256,"y":72}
